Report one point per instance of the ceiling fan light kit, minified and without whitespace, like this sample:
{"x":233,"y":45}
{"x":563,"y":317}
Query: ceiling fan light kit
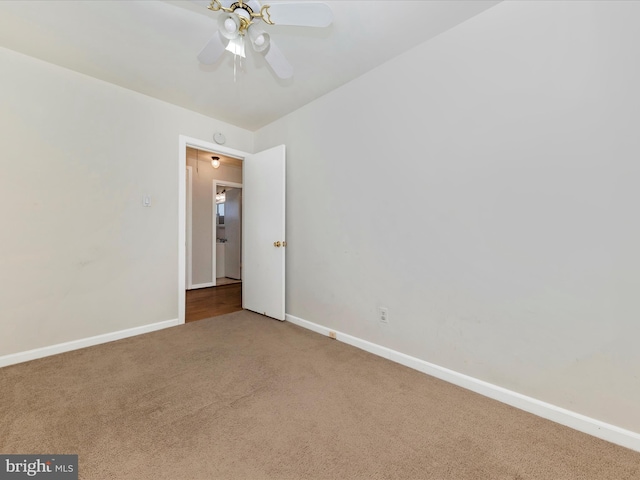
{"x":259,"y":39}
{"x":229,"y":25}
{"x":236,"y":46}
{"x":237,"y":18}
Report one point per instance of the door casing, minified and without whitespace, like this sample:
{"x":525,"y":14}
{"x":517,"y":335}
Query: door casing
{"x":189,"y":227}
{"x":184,"y":142}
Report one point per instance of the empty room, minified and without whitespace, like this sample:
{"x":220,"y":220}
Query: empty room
{"x":319,"y":239}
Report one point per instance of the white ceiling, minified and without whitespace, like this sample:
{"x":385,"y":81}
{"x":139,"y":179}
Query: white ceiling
{"x":150,"y":46}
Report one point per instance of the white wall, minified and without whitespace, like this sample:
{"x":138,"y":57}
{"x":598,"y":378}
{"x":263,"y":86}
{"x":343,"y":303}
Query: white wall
{"x":508,"y":248}
{"x":79,"y":255}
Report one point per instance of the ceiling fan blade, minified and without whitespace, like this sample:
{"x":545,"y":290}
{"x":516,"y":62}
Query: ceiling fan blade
{"x":212,"y":51}
{"x":278,"y":62}
{"x":314,"y":14}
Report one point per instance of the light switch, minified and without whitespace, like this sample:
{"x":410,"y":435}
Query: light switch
{"x":146,"y":200}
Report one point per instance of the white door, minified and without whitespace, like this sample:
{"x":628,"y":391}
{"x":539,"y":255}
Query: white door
{"x":232,"y":247}
{"x":263,"y":230}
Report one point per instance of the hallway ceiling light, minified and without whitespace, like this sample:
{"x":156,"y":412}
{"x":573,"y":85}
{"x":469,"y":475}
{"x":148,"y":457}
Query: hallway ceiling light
{"x":215,"y":162}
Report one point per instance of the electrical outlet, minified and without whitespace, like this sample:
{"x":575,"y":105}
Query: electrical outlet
{"x":383,"y":315}
{"x":332,"y":335}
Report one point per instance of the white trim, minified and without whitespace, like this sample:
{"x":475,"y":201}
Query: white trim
{"x":183,"y":143}
{"x":214,"y":223}
{"x":203,"y":285}
{"x":20,"y":357}
{"x":214,"y":234}
{"x":560,"y":415}
{"x":224,"y":183}
{"x":210,"y":147}
{"x":189,"y":228}
{"x":182,"y":229}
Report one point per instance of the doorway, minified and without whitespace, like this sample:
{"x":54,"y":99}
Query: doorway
{"x":213,"y":234}
{"x":263,"y":226}
{"x":228,"y":236}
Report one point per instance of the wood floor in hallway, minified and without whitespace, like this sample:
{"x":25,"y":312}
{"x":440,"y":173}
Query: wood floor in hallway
{"x":213,"y":301}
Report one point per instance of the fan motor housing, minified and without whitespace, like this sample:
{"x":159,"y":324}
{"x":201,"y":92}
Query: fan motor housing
{"x":242,"y":6}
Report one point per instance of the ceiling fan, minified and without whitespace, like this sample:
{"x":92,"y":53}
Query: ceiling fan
{"x":239,"y":19}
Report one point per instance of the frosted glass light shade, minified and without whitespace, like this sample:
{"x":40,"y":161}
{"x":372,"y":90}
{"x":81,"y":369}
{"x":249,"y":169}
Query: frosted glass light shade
{"x":259,"y":39}
{"x":229,"y":25}
{"x":236,"y":46}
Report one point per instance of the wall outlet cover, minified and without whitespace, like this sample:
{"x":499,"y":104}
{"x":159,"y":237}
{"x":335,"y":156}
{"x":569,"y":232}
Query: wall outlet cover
{"x":383,"y":315}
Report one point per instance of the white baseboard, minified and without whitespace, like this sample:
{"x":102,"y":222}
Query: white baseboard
{"x":582,"y":423}
{"x":202,"y":285}
{"x":83,"y":342}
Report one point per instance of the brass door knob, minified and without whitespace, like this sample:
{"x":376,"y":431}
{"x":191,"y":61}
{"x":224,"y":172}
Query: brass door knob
{"x":276,"y":244}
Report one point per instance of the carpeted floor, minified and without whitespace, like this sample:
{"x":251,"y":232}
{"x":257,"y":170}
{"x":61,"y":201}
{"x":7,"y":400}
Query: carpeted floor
{"x":241,"y":396}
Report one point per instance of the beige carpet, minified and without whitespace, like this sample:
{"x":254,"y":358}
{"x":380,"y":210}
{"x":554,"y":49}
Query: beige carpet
{"x":244,"y":397}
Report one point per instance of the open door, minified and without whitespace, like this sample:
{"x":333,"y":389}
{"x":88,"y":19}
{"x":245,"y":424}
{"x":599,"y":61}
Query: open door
{"x":263,"y":229}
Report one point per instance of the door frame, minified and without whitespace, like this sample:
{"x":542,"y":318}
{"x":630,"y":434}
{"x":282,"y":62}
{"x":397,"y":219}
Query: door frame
{"x":185,"y":141}
{"x":214,"y":252}
{"x":189,"y":228}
